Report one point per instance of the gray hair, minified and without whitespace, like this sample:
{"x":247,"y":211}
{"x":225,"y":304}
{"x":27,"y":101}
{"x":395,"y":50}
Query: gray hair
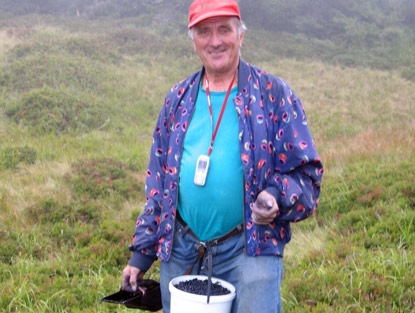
{"x":239,"y":24}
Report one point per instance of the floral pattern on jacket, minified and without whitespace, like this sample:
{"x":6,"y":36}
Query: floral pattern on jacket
{"x":277,"y":152}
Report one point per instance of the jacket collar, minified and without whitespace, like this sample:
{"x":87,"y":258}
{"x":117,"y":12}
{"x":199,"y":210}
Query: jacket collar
{"x":243,"y":76}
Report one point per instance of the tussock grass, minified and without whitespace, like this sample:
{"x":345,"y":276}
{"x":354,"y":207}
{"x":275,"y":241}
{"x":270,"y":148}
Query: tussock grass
{"x":307,"y":238}
{"x":366,"y":145}
{"x":63,"y":245}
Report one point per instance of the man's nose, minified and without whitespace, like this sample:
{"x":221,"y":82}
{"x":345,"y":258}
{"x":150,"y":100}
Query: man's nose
{"x":215,"y":39}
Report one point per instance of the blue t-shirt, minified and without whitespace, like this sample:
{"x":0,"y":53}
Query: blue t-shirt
{"x":216,"y":208}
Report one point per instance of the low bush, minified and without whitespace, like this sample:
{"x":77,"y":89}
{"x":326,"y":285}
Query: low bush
{"x":54,"y":60}
{"x":51,"y":211}
{"x":48,"y":110}
{"x":48,"y":43}
{"x":102,"y":177}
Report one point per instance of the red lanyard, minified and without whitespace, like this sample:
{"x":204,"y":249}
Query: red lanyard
{"x":221,"y":112}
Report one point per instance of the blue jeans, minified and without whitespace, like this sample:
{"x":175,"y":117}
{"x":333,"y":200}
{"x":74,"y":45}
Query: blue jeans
{"x":257,"y":279}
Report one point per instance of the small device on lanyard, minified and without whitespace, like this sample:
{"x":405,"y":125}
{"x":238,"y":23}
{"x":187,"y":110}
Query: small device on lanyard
{"x":202,"y":168}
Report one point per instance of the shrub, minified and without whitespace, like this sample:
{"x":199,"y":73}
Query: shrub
{"x":48,"y":110}
{"x":53,"y":70}
{"x":60,"y":227}
{"x":47,"y":44}
{"x":102,"y":177}
{"x":50,"y":211}
{"x":10,"y":157}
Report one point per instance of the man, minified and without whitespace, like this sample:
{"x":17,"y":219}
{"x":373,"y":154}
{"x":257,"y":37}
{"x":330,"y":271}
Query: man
{"x":232,"y":164}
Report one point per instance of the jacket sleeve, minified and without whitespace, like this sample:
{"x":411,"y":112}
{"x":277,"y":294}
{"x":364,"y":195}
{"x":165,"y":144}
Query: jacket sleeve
{"x":145,"y":239}
{"x":297,"y":167}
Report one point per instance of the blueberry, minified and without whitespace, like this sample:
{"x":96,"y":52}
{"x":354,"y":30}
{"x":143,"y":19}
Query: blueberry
{"x":199,"y":287}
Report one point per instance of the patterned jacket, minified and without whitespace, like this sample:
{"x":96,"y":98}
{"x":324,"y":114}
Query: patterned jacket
{"x":277,"y":152}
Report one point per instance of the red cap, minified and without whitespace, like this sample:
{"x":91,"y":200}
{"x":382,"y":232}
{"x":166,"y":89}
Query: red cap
{"x":203,"y":9}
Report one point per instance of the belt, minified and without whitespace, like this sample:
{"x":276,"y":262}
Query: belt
{"x":238,"y":229}
{"x":206,"y":246}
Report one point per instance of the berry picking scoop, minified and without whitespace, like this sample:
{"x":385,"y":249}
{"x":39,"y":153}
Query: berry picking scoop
{"x":149,"y":301}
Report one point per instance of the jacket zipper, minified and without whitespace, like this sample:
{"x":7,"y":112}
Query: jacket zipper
{"x":178,"y":181}
{"x":243,"y":211}
{"x":243,"y":182}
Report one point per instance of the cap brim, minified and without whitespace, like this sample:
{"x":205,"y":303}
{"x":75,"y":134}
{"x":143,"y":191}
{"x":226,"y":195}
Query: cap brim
{"x":210,"y":15}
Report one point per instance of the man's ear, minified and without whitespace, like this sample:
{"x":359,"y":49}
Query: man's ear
{"x":194,"y":46}
{"x":241,"y":39}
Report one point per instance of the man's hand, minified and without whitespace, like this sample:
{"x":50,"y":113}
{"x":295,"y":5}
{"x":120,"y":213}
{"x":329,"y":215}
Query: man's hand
{"x":264,"y":209}
{"x":130,"y":276}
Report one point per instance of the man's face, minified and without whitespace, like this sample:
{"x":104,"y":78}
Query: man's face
{"x":217,"y":43}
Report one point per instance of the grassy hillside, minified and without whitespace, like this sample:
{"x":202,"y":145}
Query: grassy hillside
{"x":78,"y":102}
{"x":371,"y":33}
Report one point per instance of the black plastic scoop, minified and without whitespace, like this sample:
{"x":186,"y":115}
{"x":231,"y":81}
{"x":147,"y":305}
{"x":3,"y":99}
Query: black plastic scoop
{"x":150,"y":301}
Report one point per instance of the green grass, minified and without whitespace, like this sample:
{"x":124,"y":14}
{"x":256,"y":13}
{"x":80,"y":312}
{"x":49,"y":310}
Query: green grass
{"x":78,"y":103}
{"x":367,"y":213}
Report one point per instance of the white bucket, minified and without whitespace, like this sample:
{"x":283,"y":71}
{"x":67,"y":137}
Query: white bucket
{"x":184,"y":302}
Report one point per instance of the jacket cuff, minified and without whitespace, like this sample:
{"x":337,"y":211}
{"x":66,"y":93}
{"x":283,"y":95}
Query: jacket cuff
{"x":141,"y":261}
{"x":276,"y":193}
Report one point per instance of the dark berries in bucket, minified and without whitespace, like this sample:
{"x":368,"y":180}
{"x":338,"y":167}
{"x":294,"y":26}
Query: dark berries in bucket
{"x":199,"y":287}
